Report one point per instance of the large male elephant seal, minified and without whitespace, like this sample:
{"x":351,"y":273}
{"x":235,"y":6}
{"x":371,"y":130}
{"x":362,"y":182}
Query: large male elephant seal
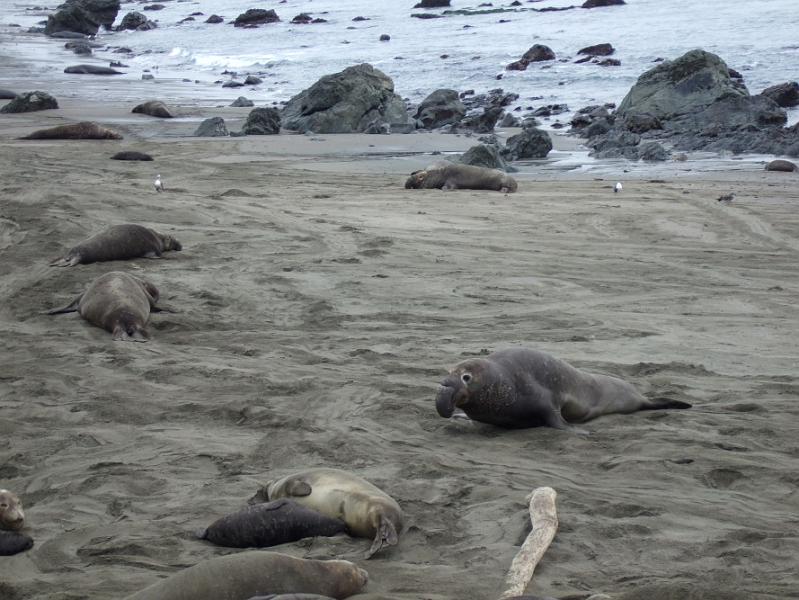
{"x":270,"y":524}
{"x":519,"y":387}
{"x":117,"y":302}
{"x":452,"y":176}
{"x":367,"y":510}
{"x":85,"y":130}
{"x":12,"y":517}
{"x":257,"y":573}
{"x":119,"y":242}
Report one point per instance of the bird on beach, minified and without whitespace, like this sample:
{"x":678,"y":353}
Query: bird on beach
{"x":725,"y":198}
{"x":617,"y":188}
{"x":159,"y":186}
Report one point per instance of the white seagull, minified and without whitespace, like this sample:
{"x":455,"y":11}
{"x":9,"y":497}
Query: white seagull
{"x":159,"y":186}
{"x":617,"y":187}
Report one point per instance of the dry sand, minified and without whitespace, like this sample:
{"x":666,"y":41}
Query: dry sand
{"x":320,"y":303}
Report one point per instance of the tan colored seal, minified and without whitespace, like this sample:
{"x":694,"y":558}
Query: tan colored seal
{"x":12,"y":517}
{"x":117,"y":302}
{"x":452,"y":176}
{"x":367,"y":510}
{"x":119,"y":242}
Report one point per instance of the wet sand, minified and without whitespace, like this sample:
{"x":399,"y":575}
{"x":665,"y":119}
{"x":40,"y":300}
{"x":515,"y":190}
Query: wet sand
{"x":319,"y":305}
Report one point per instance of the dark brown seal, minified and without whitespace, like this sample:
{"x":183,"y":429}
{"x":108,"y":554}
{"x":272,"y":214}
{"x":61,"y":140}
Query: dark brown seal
{"x":451,"y":176}
{"x":131,"y":155}
{"x":119,"y":242}
{"x":117,"y":302}
{"x":270,"y":524}
{"x":519,"y":387}
{"x":366,"y":509}
{"x":258,"y":573}
{"x":85,"y":130}
{"x":785,"y":166}
{"x":12,"y":517}
{"x":13,"y":542}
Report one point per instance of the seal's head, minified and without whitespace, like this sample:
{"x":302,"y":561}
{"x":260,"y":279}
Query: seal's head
{"x":170,"y":243}
{"x":463,"y":382}
{"x":416,"y":180}
{"x":12,"y":516}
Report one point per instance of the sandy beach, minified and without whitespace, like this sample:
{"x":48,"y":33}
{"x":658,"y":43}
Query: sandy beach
{"x":318,"y":305}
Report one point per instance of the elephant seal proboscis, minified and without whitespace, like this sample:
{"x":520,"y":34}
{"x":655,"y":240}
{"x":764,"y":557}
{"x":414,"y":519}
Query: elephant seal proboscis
{"x":85,"y":130}
{"x":117,"y":302}
{"x":367,"y":510}
{"x":14,"y":542}
{"x":12,"y":517}
{"x":270,"y":524}
{"x":519,"y":387}
{"x":258,"y":573}
{"x":452,"y":176}
{"x":119,"y":242}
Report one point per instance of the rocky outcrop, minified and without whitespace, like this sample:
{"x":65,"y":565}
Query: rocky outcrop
{"x":784,"y":94}
{"x":442,"y":107}
{"x":785,"y":166}
{"x":484,"y":155}
{"x":83,"y":16}
{"x":252,"y":80}
{"x":80,"y":47}
{"x":348,"y":102}
{"x":30,"y":102}
{"x":213,"y":127}
{"x":214,"y":19}
{"x":530,"y":143}
{"x":241,"y":102}
{"x":597,"y":50}
{"x":136,"y":21}
{"x":536,"y":53}
{"x":482,"y":122}
{"x":262,"y":121}
{"x":256,"y":16}
{"x":154,"y":108}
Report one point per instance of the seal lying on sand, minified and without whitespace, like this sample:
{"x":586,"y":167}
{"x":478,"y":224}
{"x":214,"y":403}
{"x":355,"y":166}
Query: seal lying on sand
{"x":291,"y":597}
{"x":258,"y":573}
{"x":119,"y":242}
{"x":12,"y":517}
{"x":13,"y":542}
{"x":85,"y":130}
{"x":117,"y":302}
{"x":368,"y":511}
{"x":451,"y":176}
{"x":519,"y":387}
{"x":270,"y":524}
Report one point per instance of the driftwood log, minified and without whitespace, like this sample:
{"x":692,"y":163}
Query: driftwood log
{"x":544,"y":517}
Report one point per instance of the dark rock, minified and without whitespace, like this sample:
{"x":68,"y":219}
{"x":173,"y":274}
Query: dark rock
{"x":131,"y":155}
{"x":256,"y":16}
{"x":103,"y":12}
{"x":426,"y":16}
{"x":213,"y":19}
{"x":508,"y":120}
{"x":536,"y":53}
{"x":72,"y":18}
{"x":598,"y":50}
{"x":136,"y":21}
{"x":213,"y":127}
{"x":385,"y":37}
{"x":784,"y":94}
{"x":147,"y":77}
{"x":253,"y":80}
{"x":550,"y":110}
{"x":432,"y":4}
{"x":232,"y":84}
{"x":359,"y":18}
{"x":641,"y":122}
{"x":347,"y":102}
{"x":600,"y":3}
{"x":186,"y":20}
{"x":30,"y":102}
{"x":530,"y":143}
{"x":785,"y":166}
{"x":608,"y":62}
{"x":7,"y":95}
{"x":484,"y":155}
{"x":69,"y":35}
{"x":153,"y":108}
{"x":81,"y":47}
{"x":302,"y":19}
{"x":241,"y":101}
{"x":262,"y":121}
{"x":91,"y":70}
{"x":442,"y":107}
{"x":378,"y":127}
{"x":652,"y":152}
{"x":154,"y":7}
{"x":483,"y":122}
{"x":617,"y":144}
{"x":597,"y":127}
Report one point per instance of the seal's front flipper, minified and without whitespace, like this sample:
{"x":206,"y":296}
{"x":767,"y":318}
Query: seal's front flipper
{"x":386,"y":535}
{"x":660,"y":403}
{"x":298,"y":487}
{"x":165,"y":308}
{"x":556,"y":421}
{"x":71,"y":307}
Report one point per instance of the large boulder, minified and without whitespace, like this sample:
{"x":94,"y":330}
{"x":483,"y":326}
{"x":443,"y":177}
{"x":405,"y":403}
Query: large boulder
{"x":482,"y":122}
{"x":536,"y":53}
{"x":484,"y":155}
{"x":153,"y":108}
{"x":30,"y":102}
{"x":242,"y":102}
{"x":784,"y":94}
{"x":784,"y":166}
{"x":256,"y":16}
{"x":442,"y":107}
{"x":597,"y":50}
{"x":348,"y":102}
{"x":74,"y":18}
{"x":262,"y":121}
{"x":432,"y":4}
{"x":530,"y":143}
{"x":213,"y":127}
{"x":136,"y":21}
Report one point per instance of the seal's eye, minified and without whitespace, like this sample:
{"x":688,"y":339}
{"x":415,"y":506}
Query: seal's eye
{"x":466,"y":378}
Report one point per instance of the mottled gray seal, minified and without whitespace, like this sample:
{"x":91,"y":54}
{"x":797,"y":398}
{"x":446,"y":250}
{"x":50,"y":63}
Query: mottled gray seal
{"x":367,"y":510}
{"x":451,"y":176}
{"x":258,"y":573}
{"x":12,"y":517}
{"x":519,"y":387}
{"x":85,"y":130}
{"x":270,"y":524}
{"x":119,"y":242}
{"x":117,"y":302}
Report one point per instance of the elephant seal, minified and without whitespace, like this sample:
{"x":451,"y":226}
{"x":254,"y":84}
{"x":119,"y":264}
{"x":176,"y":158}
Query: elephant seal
{"x":13,"y":542}
{"x":85,"y":130}
{"x":258,"y":573}
{"x":119,"y":242}
{"x":91,"y":70}
{"x":117,"y":302}
{"x":451,"y":176}
{"x":12,"y":517}
{"x":367,"y":510}
{"x":270,"y":524}
{"x":519,"y":387}
{"x":292,"y":597}
{"x":131,"y":155}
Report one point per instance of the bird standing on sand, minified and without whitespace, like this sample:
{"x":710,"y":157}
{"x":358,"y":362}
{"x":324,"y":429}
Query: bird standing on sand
{"x":617,"y":188}
{"x":726,"y":198}
{"x":159,"y":186}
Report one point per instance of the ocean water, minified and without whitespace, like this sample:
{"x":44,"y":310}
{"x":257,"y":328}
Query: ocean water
{"x":758,"y":38}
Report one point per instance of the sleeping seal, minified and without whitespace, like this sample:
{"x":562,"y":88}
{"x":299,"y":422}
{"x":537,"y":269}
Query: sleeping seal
{"x":85,"y":130}
{"x":452,"y":176}
{"x":119,"y":242}
{"x":12,"y":517}
{"x":258,"y":573}
{"x":518,"y":388}
{"x":117,"y":302}
{"x":367,"y":510}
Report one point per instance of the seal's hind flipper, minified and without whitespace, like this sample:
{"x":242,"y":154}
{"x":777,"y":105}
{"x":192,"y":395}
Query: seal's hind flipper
{"x":71,"y":307}
{"x":386,"y":535}
{"x":298,"y":487}
{"x":661,"y":403}
{"x":65,"y":261}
